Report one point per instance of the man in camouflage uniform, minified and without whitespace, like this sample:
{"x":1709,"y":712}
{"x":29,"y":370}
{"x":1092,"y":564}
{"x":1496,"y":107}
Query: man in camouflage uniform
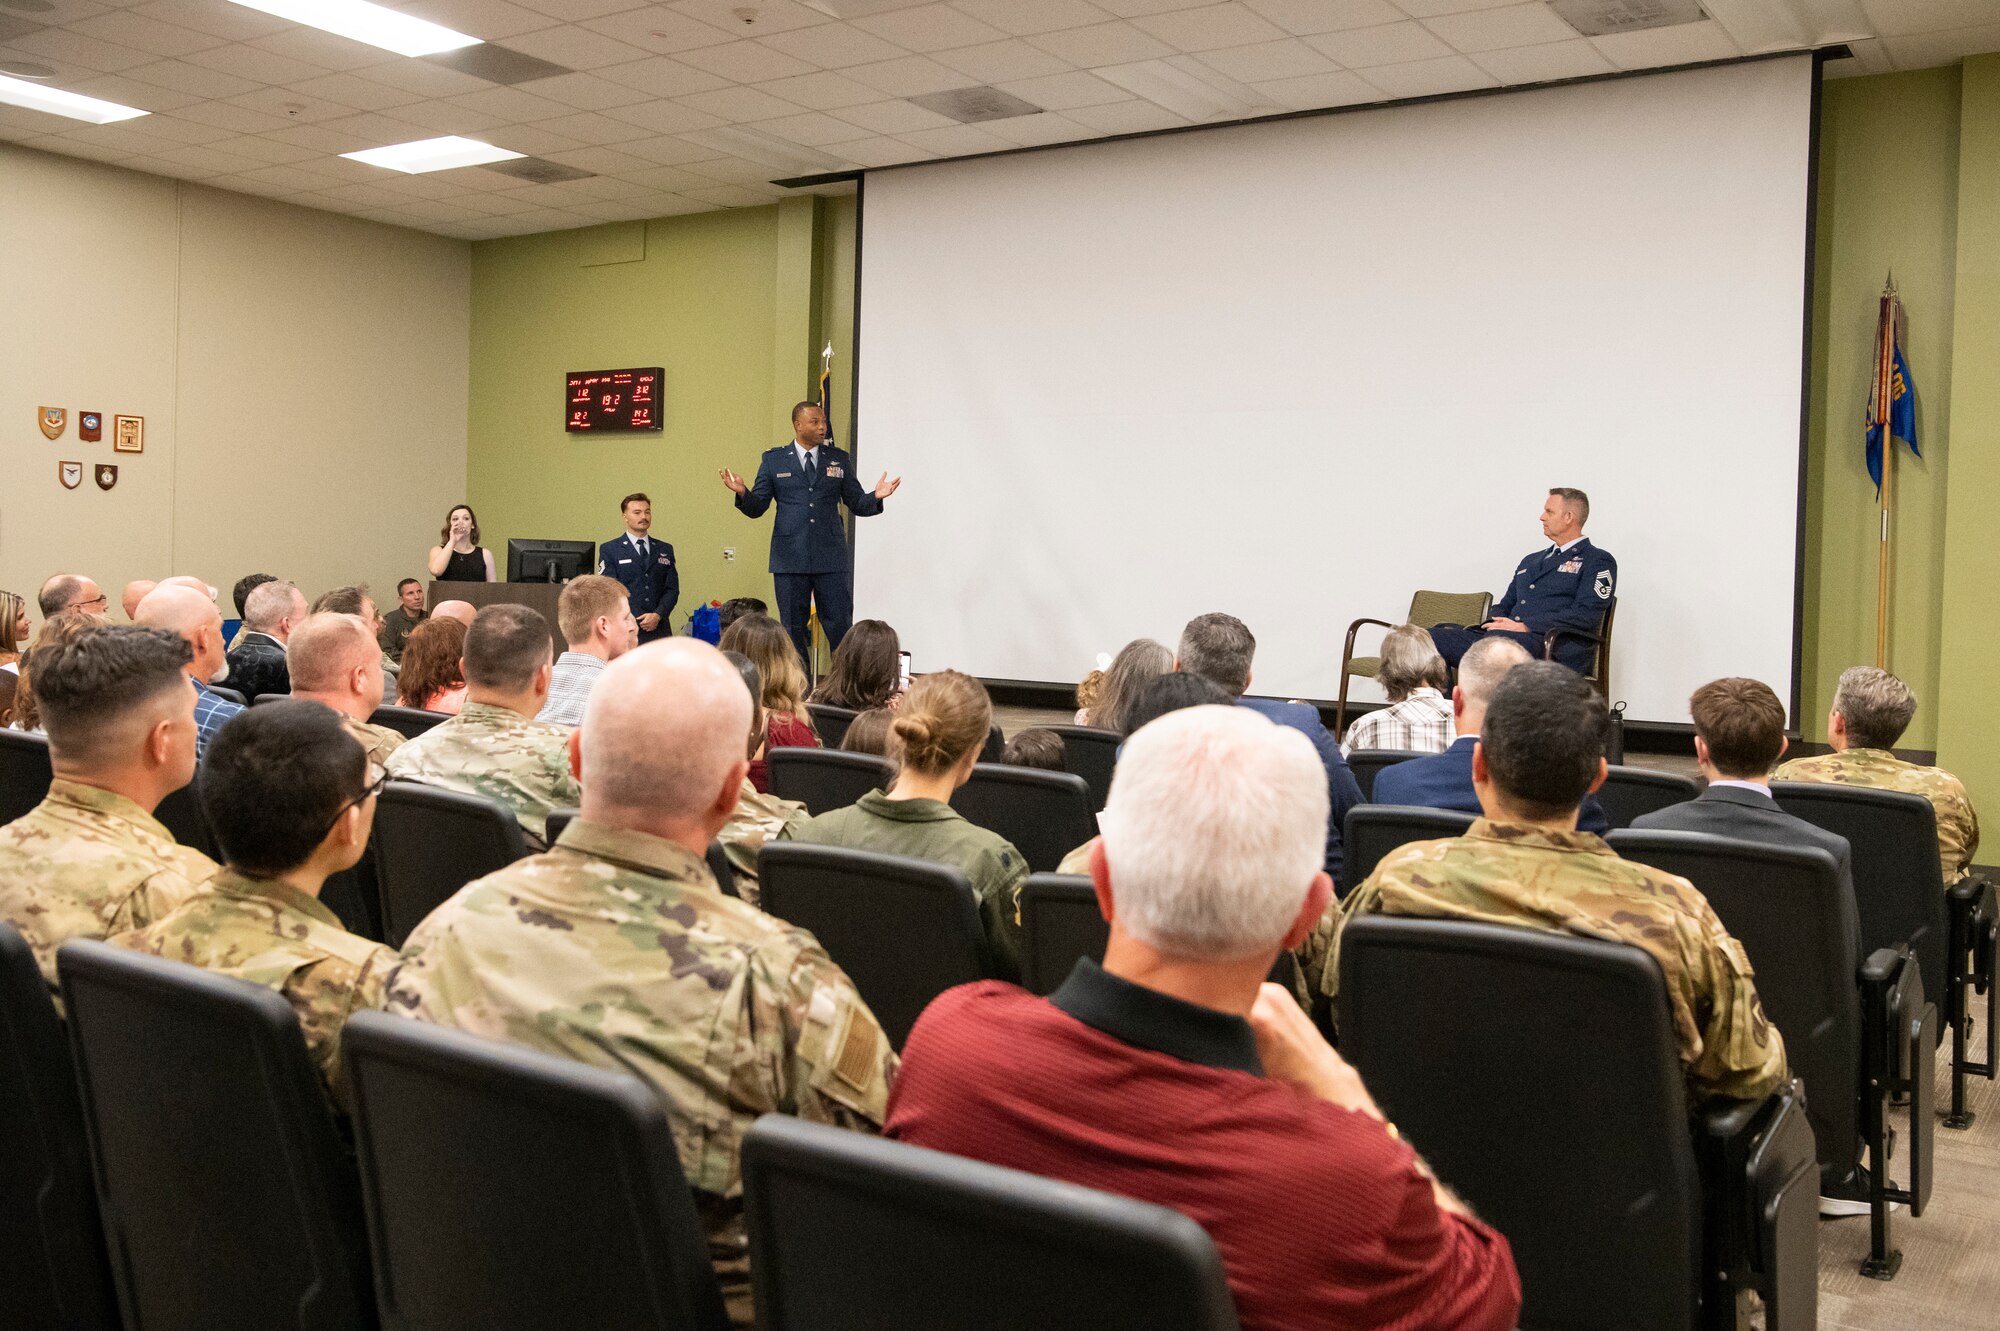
{"x":335,"y":662}
{"x":617,"y":948}
{"x":494,"y":746}
{"x":1871,"y":710}
{"x":1540,"y":751}
{"x":90,"y":860}
{"x":759,"y":817}
{"x":291,"y":798}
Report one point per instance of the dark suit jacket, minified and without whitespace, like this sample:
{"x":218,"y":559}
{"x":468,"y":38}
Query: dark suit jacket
{"x":653,"y":587}
{"x":258,"y":666}
{"x":1746,"y":815}
{"x":1342,"y":790}
{"x":1444,"y":781}
{"x":808,"y":536}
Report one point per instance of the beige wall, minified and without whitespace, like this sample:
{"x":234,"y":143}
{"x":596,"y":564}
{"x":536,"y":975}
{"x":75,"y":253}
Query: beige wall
{"x":303,"y":377}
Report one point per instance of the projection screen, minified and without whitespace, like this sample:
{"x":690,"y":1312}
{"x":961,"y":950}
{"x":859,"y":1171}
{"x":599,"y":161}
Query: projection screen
{"x":1298,"y":370}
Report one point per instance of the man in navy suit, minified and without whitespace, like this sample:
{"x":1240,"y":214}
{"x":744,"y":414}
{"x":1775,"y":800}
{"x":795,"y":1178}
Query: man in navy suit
{"x":1444,"y":780}
{"x":810,"y":562}
{"x":646,"y":567}
{"x":1568,"y":585}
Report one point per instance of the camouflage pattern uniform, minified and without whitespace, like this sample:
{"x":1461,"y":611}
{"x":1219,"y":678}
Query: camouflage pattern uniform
{"x":379,"y":741}
{"x":270,"y":933}
{"x":491,"y":751}
{"x":88,"y":863}
{"x":758,"y":818}
{"x":1878,"y":769}
{"x":930,"y":830}
{"x":1571,"y":882}
{"x":616,"y":948}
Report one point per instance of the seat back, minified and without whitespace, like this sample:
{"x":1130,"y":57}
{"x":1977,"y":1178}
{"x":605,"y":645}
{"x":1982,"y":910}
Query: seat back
{"x":53,"y":1271}
{"x":831,"y":722}
{"x":826,"y":779}
{"x":263,"y":698}
{"x":25,"y":773}
{"x":1429,"y":609}
{"x":850,"y":1232}
{"x":557,"y":820}
{"x":718,"y":864}
{"x":181,"y":814}
{"x":1579,"y":1150}
{"x":228,"y":695}
{"x":1091,"y":753}
{"x":1629,"y":792}
{"x":1365,"y":763}
{"x":228,"y":1199}
{"x":509,"y":1189}
{"x":904,"y":930}
{"x":1060,"y":922}
{"x":430,"y":842}
{"x":409,"y":722}
{"x":1373,"y":830}
{"x":1898,"y":883}
{"x":1796,"y":921}
{"x":1045,"y":815}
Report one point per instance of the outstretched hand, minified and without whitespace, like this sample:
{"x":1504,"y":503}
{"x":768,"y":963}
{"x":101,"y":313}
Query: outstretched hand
{"x":732,"y":480}
{"x":886,"y":487}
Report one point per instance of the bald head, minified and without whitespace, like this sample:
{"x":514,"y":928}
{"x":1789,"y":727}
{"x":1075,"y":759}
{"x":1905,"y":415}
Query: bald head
{"x":1480,"y":671}
{"x":192,"y":583}
{"x":274,"y":608}
{"x":329,"y":657}
{"x":135,"y":592}
{"x":662,"y":741}
{"x":187,"y":612}
{"x":70,"y":591}
{"x":462,"y":611}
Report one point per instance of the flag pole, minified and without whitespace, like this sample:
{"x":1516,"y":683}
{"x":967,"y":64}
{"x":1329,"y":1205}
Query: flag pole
{"x":1884,"y":359}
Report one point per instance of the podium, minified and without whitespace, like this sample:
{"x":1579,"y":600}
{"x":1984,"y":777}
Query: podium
{"x":541,"y":597}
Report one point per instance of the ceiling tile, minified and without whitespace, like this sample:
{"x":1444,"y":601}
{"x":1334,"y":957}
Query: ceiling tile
{"x":353,"y":90}
{"x":668,"y":178}
{"x":97,"y":152}
{"x":821,"y":92}
{"x":1306,"y":17}
{"x":737,"y":105}
{"x":1061,"y":92}
{"x":1575,"y":58}
{"x":288,"y":177}
{"x":737,"y":196}
{"x":929,"y":28}
{"x":1211,"y":28}
{"x":532,"y":140}
{"x":672,"y":117}
{"x":445,"y":118}
{"x":1899,"y":18}
{"x":1287,"y":59}
{"x":145,"y":34}
{"x":1432,"y":8}
{"x":834,"y":46}
{"x":256,"y":65}
{"x":586,"y":92}
{"x":957,"y":141}
{"x":1389,"y":44}
{"x":576,"y":11}
{"x":812,"y":129}
{"x":733,"y":171}
{"x":891,"y":117}
{"x":489,"y":20}
{"x":662,"y":77}
{"x":1427,"y":78}
{"x":591,"y":128}
{"x":772,"y":16}
{"x":1923,"y":51}
{"x":322,"y":49}
{"x":1314,"y":92}
{"x":422,"y":78}
{"x":604,"y":161}
{"x":881,"y":151}
{"x":511,"y":105}
{"x":1135,"y":8}
{"x":192,"y":132}
{"x":661,"y":30}
{"x":1115,"y":43}
{"x":746,"y":62}
{"x":1129,"y":117}
{"x":184,"y":77}
{"x":145,"y":96}
{"x":237,"y":119}
{"x":1660,"y":47}
{"x":319,"y":139}
{"x":217,"y":18}
{"x":209,"y":161}
{"x":1034,"y":131}
{"x":73,"y":48}
{"x":1024,"y":18}
{"x":1497,"y":29}
{"x":269,"y":151}
{"x":908,"y":77}
{"x":577,"y":48}
{"x":993,"y":62}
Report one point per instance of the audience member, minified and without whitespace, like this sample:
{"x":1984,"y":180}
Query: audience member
{"x":192,"y":583}
{"x":1089,"y":690}
{"x":240,"y":593}
{"x":1219,"y":648}
{"x":458,"y":556}
{"x":1418,"y":717}
{"x":27,"y":712}
{"x":935,"y":740}
{"x":90,"y":860}
{"x":337,"y":663}
{"x":72,"y":593}
{"x":257,"y":661}
{"x":735,"y":608}
{"x":1168,"y":693}
{"x":1037,"y":746}
{"x":14,"y":630}
{"x":758,"y":817}
{"x":187,"y":612}
{"x":433,"y":676}
{"x":787,"y":724}
{"x":494,"y":747}
{"x":867,"y":669}
{"x":1871,"y":710}
{"x":1171,"y":1075}
{"x":1540,"y":750}
{"x":595,"y":616}
{"x":405,"y":615}
{"x":868,"y":732}
{"x":353,"y":599}
{"x":728,"y":1012}
{"x":1137,"y":664}
{"x":462,"y":611}
{"x":290,"y":798}
{"x":135,"y":591}
{"x":1444,"y":780}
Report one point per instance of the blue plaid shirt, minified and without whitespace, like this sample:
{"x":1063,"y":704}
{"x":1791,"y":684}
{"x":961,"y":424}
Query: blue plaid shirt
{"x":212,"y":711}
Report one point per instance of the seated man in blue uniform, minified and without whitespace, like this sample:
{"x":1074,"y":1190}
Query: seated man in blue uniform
{"x":1569,"y":585}
{"x":645,"y":566}
{"x":810,"y":563}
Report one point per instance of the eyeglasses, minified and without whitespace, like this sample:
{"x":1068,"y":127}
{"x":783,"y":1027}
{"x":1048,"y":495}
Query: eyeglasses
{"x":101,"y":601}
{"x":377,"y":778}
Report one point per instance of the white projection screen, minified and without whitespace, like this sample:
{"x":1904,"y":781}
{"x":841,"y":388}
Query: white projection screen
{"x":1297,"y":370}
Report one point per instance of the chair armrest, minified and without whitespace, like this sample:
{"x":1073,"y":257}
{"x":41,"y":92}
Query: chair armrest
{"x":1555,"y":635}
{"x":1761,"y":1180}
{"x":1879,"y":968}
{"x":1347,"y":652}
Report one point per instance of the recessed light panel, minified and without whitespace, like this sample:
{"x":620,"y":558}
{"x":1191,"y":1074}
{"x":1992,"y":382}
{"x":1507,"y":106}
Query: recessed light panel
{"x":433,"y":155}
{"x":405,"y":34}
{"x":41,"y":97}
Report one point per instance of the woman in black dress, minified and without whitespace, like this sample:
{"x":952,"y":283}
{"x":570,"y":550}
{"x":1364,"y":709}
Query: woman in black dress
{"x":458,"y":556}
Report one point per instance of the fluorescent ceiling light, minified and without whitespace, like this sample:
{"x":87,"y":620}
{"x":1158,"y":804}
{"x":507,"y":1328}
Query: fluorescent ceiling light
{"x":405,"y":34}
{"x":41,"y":97}
{"x":433,"y":155}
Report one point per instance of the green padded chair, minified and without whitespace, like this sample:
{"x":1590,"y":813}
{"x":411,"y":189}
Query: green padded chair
{"x":1427,"y":610}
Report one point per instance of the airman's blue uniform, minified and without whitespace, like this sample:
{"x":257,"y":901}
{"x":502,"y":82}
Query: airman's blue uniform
{"x":1553,"y":588}
{"x":652,"y":579}
{"x":810,"y":562}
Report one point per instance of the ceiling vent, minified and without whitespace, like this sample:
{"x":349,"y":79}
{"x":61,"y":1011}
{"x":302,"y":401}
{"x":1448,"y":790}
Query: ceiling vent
{"x":496,"y":64}
{"x":540,"y":170}
{"x":1605,"y":18}
{"x":969,"y":106}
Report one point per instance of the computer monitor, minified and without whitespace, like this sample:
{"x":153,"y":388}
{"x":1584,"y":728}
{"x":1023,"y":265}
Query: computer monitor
{"x":549,"y":561}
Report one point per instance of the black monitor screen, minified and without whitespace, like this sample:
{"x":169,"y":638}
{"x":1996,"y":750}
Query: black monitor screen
{"x":549,"y":561}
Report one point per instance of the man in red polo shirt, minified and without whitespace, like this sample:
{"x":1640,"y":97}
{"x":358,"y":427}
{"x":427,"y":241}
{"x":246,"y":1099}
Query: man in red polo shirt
{"x":1170,"y":1073}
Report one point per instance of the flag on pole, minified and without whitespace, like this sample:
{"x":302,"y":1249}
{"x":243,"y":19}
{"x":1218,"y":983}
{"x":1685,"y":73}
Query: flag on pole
{"x":826,"y":388}
{"x":1892,"y":403}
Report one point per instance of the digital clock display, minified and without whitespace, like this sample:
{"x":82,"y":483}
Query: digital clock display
{"x":608,"y":400}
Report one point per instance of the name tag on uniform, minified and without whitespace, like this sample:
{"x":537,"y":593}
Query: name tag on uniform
{"x":784,"y":476}
{"x":834,"y":473}
{"x":1573,"y":566}
{"x":624,"y":561}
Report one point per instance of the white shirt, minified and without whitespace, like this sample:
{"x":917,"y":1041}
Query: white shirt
{"x":1757,"y":786}
{"x":808,"y":457}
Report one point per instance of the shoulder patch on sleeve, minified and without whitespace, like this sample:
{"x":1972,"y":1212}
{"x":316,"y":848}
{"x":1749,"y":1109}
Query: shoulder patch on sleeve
{"x":856,"y":1062}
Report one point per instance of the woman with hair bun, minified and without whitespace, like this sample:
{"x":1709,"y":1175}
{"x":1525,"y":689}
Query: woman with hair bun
{"x":936,"y":737}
